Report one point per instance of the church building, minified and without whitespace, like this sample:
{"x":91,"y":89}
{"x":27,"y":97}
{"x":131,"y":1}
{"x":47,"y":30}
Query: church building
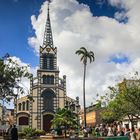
{"x":47,"y":90}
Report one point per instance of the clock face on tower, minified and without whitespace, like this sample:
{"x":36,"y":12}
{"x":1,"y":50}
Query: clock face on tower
{"x":48,"y":49}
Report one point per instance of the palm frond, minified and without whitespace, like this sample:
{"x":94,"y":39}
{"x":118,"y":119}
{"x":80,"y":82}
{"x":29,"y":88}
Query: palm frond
{"x":79,"y":52}
{"x":85,"y":55}
{"x":84,"y":49}
{"x":91,"y":56}
{"x":82,"y":58}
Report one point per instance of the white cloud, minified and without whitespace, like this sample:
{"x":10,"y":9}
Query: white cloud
{"x":74,"y":26}
{"x":25,"y":82}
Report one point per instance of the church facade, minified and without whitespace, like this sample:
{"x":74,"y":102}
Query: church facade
{"x":47,"y":90}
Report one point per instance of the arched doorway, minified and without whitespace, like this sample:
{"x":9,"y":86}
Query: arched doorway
{"x":47,"y":122}
{"x":23,"y":121}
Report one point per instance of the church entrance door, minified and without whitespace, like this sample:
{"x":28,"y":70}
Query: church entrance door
{"x":47,"y":122}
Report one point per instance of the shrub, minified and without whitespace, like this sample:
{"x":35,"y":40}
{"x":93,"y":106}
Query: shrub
{"x":29,"y":132}
{"x":39,"y":132}
{"x":21,"y":134}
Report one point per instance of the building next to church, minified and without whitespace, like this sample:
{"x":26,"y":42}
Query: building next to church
{"x":6,"y":117}
{"x":47,"y":90}
{"x":93,"y":116}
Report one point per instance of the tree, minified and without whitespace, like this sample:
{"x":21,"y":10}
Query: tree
{"x":85,"y":55}
{"x":10,"y":74}
{"x":65,"y":118}
{"x":131,"y":90}
{"x":123,"y":101}
{"x":117,"y":109}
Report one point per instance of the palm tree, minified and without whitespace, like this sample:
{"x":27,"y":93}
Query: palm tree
{"x":85,"y":55}
{"x":64,"y":117}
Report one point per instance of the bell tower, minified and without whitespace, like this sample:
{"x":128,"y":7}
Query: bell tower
{"x":51,"y":90}
{"x":48,"y":54}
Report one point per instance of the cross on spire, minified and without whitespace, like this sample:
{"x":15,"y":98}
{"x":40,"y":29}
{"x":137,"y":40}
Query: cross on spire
{"x":48,"y":38}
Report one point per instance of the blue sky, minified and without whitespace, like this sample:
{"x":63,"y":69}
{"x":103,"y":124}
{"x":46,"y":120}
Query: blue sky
{"x":100,"y":7}
{"x":15,"y":25}
{"x":110,"y":28}
{"x":15,"y":28}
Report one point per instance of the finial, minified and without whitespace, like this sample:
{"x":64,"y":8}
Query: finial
{"x":49,"y":1}
{"x":48,"y":4}
{"x":48,"y":7}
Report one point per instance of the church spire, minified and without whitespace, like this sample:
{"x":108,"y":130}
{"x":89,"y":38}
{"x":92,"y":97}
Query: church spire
{"x":48,"y":38}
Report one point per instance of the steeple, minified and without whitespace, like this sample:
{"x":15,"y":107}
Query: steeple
{"x":48,"y":53}
{"x":48,"y":38}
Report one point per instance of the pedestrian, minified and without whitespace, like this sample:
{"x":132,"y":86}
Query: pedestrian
{"x":85,"y":133}
{"x":127,"y":132}
{"x":132,"y":134}
{"x":110,"y":131}
{"x":14,"y":133}
{"x":137,"y":131}
{"x":97,"y":131}
{"x":9,"y":132}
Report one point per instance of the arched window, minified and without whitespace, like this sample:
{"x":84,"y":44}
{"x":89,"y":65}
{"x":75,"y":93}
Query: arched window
{"x":48,"y":61}
{"x":44,"y":79}
{"x":23,"y":106}
{"x":44,"y":61}
{"x":27,"y":105}
{"x":51,"y":62}
{"x":19,"y":106}
{"x":48,"y":98}
{"x":52,"y":79}
{"x":48,"y":79}
{"x":23,"y":121}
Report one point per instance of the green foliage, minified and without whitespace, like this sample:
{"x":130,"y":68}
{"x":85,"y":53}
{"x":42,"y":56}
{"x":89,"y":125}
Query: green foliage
{"x":108,"y":116}
{"x":85,"y":55}
{"x":10,"y":74}
{"x":64,"y":117}
{"x":124,"y":101}
{"x":39,"y":132}
{"x":131,"y":90}
{"x":29,"y":132}
{"x":99,"y":104}
{"x":21,"y":134}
